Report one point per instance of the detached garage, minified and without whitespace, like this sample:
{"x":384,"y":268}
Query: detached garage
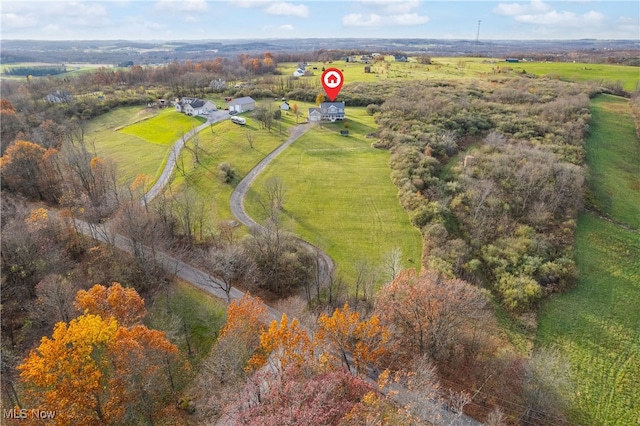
{"x":242,"y":104}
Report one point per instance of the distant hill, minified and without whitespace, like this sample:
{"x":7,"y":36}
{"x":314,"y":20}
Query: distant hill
{"x":154,"y":52}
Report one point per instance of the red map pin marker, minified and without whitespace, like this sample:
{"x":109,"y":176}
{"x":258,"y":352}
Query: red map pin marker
{"x":332,"y":80}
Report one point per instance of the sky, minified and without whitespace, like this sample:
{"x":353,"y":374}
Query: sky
{"x":264,"y":19}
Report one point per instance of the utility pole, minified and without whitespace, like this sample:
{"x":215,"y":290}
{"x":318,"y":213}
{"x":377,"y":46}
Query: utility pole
{"x":475,"y":48}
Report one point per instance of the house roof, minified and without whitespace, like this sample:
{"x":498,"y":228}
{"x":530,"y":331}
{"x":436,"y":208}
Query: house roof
{"x":242,"y":101}
{"x":197,"y":103}
{"x":326,"y":105}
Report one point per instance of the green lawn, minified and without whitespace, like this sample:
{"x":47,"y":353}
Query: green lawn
{"x":597,"y":324}
{"x":164,"y":128}
{"x":613,"y":153}
{"x":340,"y":196}
{"x":131,"y":154}
{"x":225,"y":142}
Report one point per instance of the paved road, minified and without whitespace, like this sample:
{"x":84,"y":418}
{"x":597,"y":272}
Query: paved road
{"x":162,"y":181}
{"x":326,"y":265}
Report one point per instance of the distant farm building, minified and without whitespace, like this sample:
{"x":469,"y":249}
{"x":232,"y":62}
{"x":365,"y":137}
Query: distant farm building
{"x":400,"y":58}
{"x":285,"y":106}
{"x":242,"y":104}
{"x":59,"y":97}
{"x":328,"y":111}
{"x":515,"y":60}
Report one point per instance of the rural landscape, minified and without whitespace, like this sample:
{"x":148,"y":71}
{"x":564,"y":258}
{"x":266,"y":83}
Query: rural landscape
{"x":208,"y":239}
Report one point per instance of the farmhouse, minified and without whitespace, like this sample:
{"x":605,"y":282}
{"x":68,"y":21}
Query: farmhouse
{"x":242,"y":104}
{"x":194,"y":106}
{"x":328,"y":111}
{"x":285,"y":106}
{"x":299,"y":72}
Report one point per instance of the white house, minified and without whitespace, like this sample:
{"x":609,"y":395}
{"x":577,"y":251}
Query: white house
{"x":195,"y":106}
{"x":299,"y":72}
{"x":199,"y":107}
{"x":285,"y":106}
{"x":242,"y":104}
{"x":328,"y":111}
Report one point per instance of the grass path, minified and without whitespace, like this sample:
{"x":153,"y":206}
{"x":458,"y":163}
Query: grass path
{"x":597,"y":323}
{"x":613,"y":154}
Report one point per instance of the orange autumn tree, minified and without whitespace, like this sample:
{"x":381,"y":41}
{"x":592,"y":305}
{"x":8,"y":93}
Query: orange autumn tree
{"x":345,"y":334}
{"x":123,"y":304}
{"x":238,"y":341}
{"x":286,"y":343}
{"x":96,"y":370}
{"x":246,"y":319}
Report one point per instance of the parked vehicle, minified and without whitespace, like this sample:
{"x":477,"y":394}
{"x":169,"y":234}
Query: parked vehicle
{"x":239,"y":120}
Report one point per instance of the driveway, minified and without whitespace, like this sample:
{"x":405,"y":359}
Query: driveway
{"x":163,"y":180}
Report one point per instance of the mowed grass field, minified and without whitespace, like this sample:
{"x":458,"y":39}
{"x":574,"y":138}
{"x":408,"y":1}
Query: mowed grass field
{"x":613,"y":152}
{"x":596,"y":325}
{"x":132,"y":154}
{"x":164,"y":128}
{"x":225,"y":142}
{"x":339,"y":196}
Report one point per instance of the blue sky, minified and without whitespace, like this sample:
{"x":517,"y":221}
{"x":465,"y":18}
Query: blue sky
{"x":244,"y":19}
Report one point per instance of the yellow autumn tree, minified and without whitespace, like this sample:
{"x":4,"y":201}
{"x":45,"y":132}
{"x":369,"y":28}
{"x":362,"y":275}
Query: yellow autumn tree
{"x":123,"y":304}
{"x":285,"y":344}
{"x":346,"y":336}
{"x":96,"y":370}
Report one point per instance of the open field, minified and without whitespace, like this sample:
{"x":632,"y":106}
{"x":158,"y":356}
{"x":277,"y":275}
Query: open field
{"x":613,"y":154}
{"x":225,"y":142}
{"x":471,"y":68}
{"x":340,"y":197}
{"x":133,"y":155}
{"x":164,"y":128}
{"x":596,"y":325}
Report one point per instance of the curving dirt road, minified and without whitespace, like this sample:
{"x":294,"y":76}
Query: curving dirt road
{"x":325,"y":263}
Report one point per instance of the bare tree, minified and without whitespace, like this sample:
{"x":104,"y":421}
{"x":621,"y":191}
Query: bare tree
{"x":227,"y":267}
{"x":250,"y":138}
{"x":275,"y":196}
{"x":55,"y":298}
{"x":393,"y":263}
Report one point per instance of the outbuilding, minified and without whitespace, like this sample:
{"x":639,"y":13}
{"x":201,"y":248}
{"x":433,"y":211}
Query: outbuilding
{"x":243,"y":104}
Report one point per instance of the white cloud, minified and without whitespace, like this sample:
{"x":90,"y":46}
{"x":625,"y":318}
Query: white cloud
{"x":517,"y":9}
{"x":286,"y":27}
{"x":391,"y":7}
{"x":360,"y":20}
{"x":182,"y":5}
{"x":13,"y":20}
{"x":538,"y":12}
{"x":288,"y":9}
{"x":563,"y":19}
{"x":375,"y":20}
{"x":248,"y":4}
{"x":408,"y":19}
